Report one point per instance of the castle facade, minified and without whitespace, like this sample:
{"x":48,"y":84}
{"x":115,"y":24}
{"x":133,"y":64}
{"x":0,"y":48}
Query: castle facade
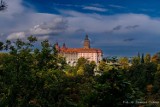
{"x":73,"y":54}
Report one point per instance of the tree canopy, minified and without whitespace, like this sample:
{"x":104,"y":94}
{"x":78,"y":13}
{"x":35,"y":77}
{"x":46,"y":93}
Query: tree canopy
{"x":33,"y":77}
{"x":3,"y":5}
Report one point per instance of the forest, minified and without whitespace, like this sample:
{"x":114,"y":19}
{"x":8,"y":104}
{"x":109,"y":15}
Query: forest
{"x":40,"y":77}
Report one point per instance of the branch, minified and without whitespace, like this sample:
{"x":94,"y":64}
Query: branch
{"x":3,"y":5}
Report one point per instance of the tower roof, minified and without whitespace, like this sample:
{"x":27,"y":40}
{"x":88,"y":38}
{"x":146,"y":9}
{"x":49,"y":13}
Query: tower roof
{"x":64,"y":45}
{"x":56,"y":43}
{"x":86,"y":38}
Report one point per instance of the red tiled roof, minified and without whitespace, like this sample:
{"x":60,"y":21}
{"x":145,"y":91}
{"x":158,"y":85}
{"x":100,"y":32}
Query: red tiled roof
{"x":79,"y":50}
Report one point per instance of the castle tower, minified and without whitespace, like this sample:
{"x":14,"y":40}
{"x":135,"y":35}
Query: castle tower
{"x":86,"y":44}
{"x":57,"y":46}
{"x":64,"y":46}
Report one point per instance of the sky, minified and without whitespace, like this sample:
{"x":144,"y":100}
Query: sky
{"x":118,"y":27}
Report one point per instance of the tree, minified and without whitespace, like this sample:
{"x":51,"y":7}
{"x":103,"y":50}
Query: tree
{"x":135,"y":60}
{"x":37,"y":78}
{"x":124,"y":62}
{"x":102,"y":66}
{"x":147,"y":58}
{"x":81,"y":62}
{"x":3,"y":5}
{"x":30,"y":77}
{"x":139,"y":56}
{"x":88,"y":66}
{"x":157,"y":82}
{"x":156,"y":58}
{"x":142,"y":59}
{"x":80,"y":71}
{"x":136,"y":75}
{"x":112,"y":87}
{"x":17,"y":67}
{"x":114,"y":59}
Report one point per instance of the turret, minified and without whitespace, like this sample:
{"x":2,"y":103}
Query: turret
{"x":86,"y":44}
{"x":64,"y":46}
{"x":57,"y":46}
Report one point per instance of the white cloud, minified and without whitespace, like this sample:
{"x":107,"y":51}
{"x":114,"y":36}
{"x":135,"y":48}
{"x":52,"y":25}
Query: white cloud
{"x":15,"y":18}
{"x":41,"y":38}
{"x":13,"y":7}
{"x":95,"y":23}
{"x":19,"y":19}
{"x":142,"y":28}
{"x":55,"y":26}
{"x":18,"y":35}
{"x":116,"y":6}
{"x":95,"y":9}
{"x":71,"y":21}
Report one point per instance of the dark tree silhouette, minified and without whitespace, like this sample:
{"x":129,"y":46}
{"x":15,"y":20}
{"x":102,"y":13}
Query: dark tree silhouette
{"x":3,"y":5}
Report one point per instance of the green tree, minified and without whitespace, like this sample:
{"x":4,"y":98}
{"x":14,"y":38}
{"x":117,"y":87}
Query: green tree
{"x":81,"y":62}
{"x":80,"y":71}
{"x":102,"y":66}
{"x":157,"y":82}
{"x":17,"y":67}
{"x":139,"y":56}
{"x":147,"y":58}
{"x":142,"y":59}
{"x":112,"y":87}
{"x":135,"y":60}
{"x":123,"y":61}
{"x":3,"y":5}
{"x":156,"y":58}
{"x":87,"y":66}
{"x":31,"y":77}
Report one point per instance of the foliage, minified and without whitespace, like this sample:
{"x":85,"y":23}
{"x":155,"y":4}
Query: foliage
{"x":142,"y":58}
{"x":136,"y":60}
{"x":3,"y":5}
{"x":112,"y":89}
{"x":85,"y":66}
{"x":147,"y":58}
{"x":102,"y":65}
{"x":80,"y":71}
{"x":124,"y":62}
{"x":156,"y":58}
{"x":34,"y":77}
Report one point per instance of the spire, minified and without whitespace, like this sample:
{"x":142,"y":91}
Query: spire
{"x":57,"y":46}
{"x":64,"y":45}
{"x":86,"y":38}
{"x":56,"y":43}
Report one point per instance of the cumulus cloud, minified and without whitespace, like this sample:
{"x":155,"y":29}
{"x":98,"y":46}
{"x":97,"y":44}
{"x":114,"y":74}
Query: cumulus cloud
{"x":71,"y":22}
{"x":96,"y":23}
{"x":43,"y":25}
{"x":18,"y":35}
{"x":16,"y":18}
{"x":41,"y":38}
{"x":54,"y":27}
{"x":13,"y":7}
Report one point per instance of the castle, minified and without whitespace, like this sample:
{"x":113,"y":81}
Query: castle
{"x":73,"y":54}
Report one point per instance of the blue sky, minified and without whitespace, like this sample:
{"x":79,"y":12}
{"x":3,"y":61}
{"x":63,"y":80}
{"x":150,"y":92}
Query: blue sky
{"x":118,"y":27}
